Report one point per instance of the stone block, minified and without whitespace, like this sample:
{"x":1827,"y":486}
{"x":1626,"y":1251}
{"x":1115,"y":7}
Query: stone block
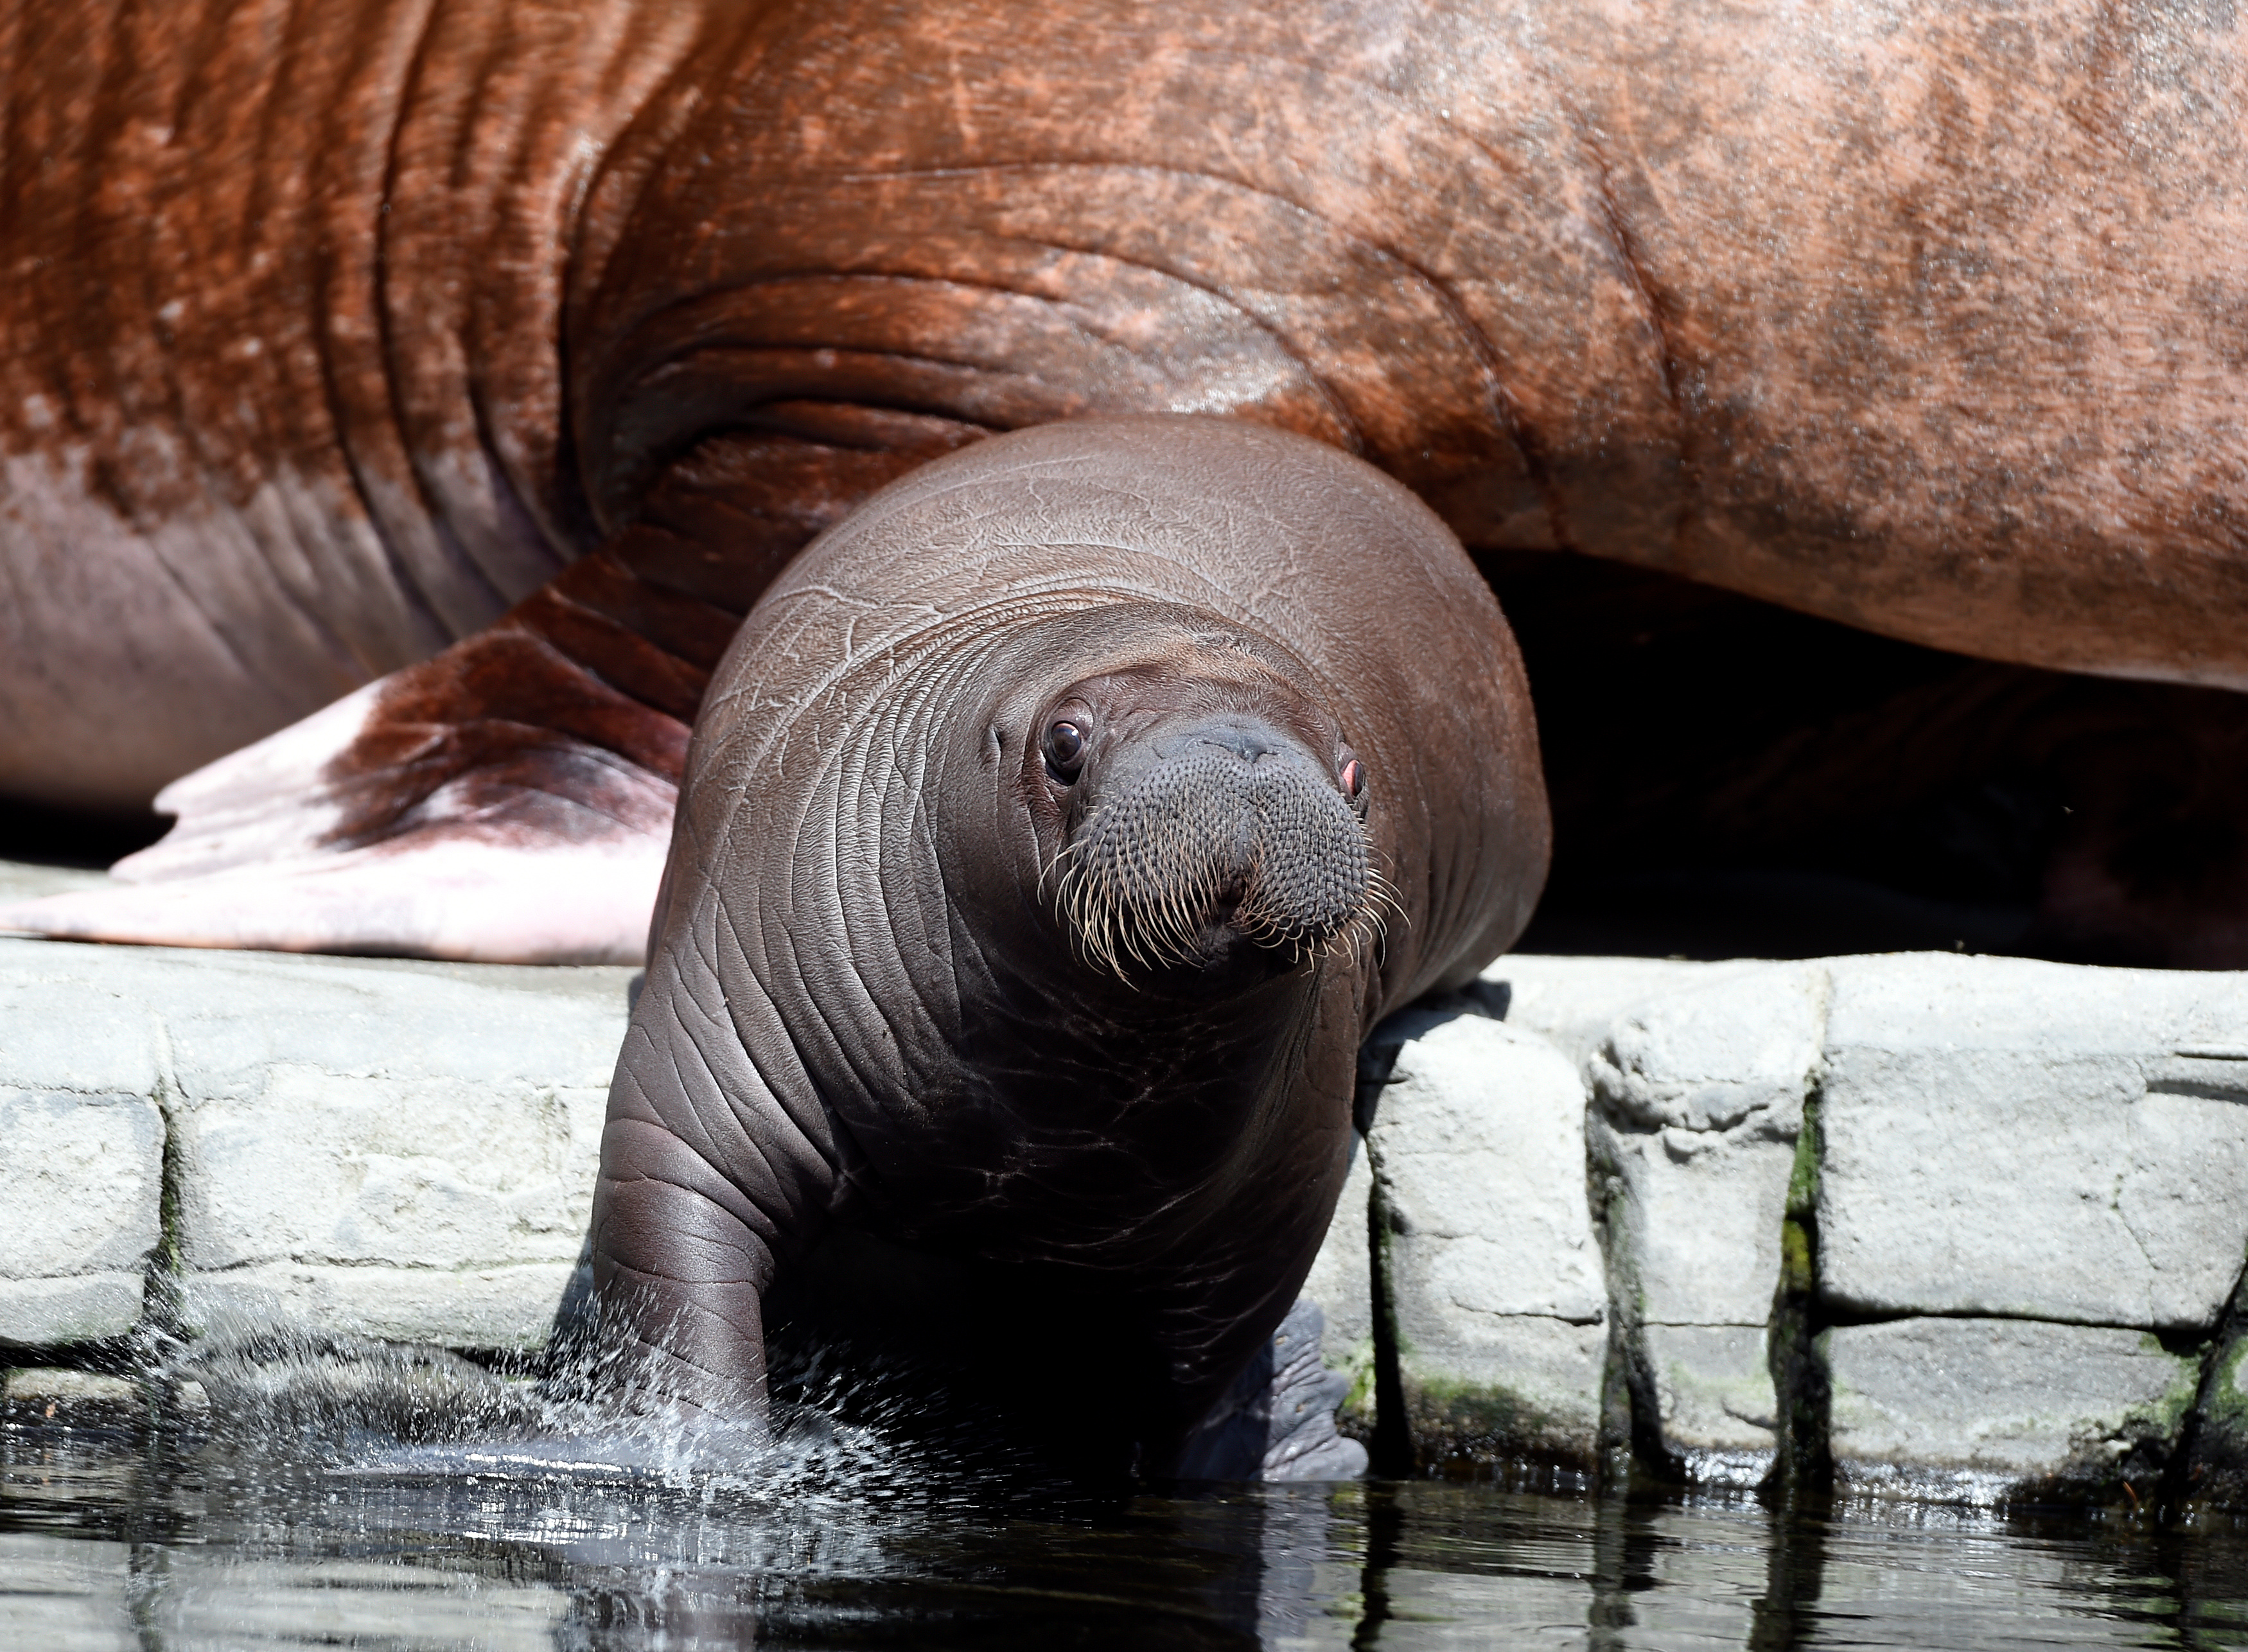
{"x":1701,"y":1092}
{"x":1340,"y":1282}
{"x":2034,"y":1140}
{"x":82,"y":1188}
{"x":1574,"y":1003}
{"x":460,"y":1308}
{"x":68,"y":1029}
{"x":1978,"y":1408}
{"x":84,"y":1308}
{"x":1714,"y":1398}
{"x":399,"y":1148}
{"x":1695,"y":1218}
{"x":1492,"y":1270}
{"x":1711,"y":1054}
{"x":81,"y":1183}
{"x":81,"y":1153}
{"x":404,"y":1171}
{"x":401,"y":1153}
{"x":1699,"y":1097}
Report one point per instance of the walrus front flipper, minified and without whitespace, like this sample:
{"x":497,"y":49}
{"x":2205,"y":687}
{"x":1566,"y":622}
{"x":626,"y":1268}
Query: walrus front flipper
{"x":715,"y":1163}
{"x":465,"y":896}
{"x":1277,"y":1421}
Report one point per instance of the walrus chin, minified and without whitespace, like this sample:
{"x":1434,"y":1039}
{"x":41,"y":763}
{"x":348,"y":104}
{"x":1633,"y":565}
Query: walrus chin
{"x":1209,"y":836}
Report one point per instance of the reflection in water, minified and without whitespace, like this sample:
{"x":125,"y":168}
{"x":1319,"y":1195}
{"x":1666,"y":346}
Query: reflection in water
{"x":120,"y":1539}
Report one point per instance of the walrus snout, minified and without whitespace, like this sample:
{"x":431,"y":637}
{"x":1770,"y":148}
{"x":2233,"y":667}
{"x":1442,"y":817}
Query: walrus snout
{"x":1201,"y":833}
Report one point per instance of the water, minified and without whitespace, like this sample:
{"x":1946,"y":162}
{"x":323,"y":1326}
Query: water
{"x":189,"y":1536}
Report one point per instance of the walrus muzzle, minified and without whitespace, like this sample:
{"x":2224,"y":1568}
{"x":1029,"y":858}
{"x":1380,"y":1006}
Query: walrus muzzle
{"x":1209,"y":834}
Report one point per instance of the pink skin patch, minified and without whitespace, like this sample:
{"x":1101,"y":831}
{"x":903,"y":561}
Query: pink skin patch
{"x":525,"y":877}
{"x":457,"y":897}
{"x":454,"y":897}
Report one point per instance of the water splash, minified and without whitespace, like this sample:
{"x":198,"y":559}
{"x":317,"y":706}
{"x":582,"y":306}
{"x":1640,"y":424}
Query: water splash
{"x":281,"y":1398}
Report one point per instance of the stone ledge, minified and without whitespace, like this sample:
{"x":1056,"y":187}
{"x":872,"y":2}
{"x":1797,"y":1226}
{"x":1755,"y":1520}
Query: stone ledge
{"x":72,"y":1398}
{"x":1841,"y":1204}
{"x":1603,"y":1205}
{"x":81,"y":1179}
{"x":482,"y":1308}
{"x":2088,"y":1164}
{"x":402,"y":1148}
{"x":79,"y":1307}
{"x":1994,"y":1402}
{"x":1497,"y":1305}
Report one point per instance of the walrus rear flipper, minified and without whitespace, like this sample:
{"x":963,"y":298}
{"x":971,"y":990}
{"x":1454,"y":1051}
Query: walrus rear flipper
{"x":509,"y":800}
{"x":1277,"y":1421}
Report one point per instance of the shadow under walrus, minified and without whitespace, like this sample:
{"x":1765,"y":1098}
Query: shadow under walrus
{"x":1730,"y":780}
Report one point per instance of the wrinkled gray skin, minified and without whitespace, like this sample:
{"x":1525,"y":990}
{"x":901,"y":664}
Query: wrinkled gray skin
{"x":864,"y":1006}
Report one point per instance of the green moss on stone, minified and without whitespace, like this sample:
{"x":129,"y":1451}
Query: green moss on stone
{"x":2226,"y":1406}
{"x":1797,"y":1344}
{"x":2165,"y":1419}
{"x":1358,"y":1365}
{"x":1803,"y":1178}
{"x":1486,"y":1423}
{"x":1795,"y":1263}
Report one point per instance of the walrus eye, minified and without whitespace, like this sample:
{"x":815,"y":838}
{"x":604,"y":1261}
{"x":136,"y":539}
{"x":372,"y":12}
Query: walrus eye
{"x":1354,"y":780}
{"x":1064,"y":752}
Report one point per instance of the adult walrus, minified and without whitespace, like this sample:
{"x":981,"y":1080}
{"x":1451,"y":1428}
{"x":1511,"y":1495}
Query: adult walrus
{"x":1053,"y":833}
{"x":336,"y":329}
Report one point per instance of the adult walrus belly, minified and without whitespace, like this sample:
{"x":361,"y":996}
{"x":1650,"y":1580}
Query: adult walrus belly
{"x":1053,"y":833}
{"x":336,"y":329}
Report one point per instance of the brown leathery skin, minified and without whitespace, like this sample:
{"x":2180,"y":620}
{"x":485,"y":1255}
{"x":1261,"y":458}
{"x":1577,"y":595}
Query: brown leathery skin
{"x":281,"y":406}
{"x":1899,"y":315}
{"x":606,"y":663}
{"x":863,"y":1005}
{"x":337,"y":330}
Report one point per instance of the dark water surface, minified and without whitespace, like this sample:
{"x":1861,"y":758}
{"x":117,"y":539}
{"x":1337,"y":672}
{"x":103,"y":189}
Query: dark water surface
{"x":110,"y":1538}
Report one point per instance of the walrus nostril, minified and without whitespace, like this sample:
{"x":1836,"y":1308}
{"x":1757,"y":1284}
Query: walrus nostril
{"x":1244,"y":740}
{"x":1248,"y":745}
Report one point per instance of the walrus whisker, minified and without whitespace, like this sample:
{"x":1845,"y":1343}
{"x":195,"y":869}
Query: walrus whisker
{"x":1382,"y":896}
{"x":1057,"y":867}
{"x":1087,"y":911}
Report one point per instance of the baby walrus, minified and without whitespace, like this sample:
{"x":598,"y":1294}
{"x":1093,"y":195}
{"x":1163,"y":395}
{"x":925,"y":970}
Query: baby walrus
{"x":1052,"y":833}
